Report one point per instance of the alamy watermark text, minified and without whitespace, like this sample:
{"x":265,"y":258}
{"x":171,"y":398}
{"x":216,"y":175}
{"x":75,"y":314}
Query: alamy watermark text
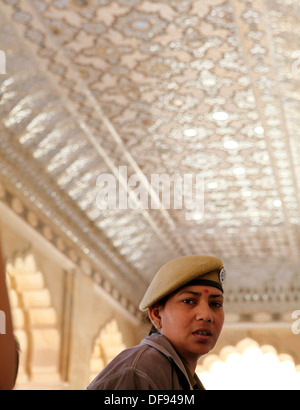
{"x":296,"y":324}
{"x":2,"y":62}
{"x":161,"y":191}
{"x":2,"y":323}
{"x":296,"y":63}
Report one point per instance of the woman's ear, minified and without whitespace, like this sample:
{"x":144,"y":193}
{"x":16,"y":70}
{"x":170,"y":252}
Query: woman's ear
{"x":154,"y":316}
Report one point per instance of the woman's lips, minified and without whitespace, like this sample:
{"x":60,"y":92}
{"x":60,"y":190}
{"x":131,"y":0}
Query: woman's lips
{"x":202,"y":335}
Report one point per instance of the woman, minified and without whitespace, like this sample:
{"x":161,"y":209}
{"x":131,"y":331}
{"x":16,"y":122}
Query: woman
{"x":185,"y":305}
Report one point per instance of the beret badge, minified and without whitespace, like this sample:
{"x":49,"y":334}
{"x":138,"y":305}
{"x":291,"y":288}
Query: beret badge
{"x":222,"y":276}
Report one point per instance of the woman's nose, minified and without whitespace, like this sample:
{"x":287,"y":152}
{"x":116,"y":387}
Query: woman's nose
{"x":204,"y":313}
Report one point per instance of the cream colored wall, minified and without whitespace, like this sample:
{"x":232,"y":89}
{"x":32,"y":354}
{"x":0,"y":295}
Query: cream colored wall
{"x":91,"y":314}
{"x":58,"y":311}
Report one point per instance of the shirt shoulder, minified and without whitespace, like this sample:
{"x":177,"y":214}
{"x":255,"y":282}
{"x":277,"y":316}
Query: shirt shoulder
{"x":137,"y":368}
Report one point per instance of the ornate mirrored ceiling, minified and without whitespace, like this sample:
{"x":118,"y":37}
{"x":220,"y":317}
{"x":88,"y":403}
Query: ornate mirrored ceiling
{"x":206,"y":87}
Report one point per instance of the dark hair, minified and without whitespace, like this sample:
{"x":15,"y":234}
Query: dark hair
{"x":153,"y":330}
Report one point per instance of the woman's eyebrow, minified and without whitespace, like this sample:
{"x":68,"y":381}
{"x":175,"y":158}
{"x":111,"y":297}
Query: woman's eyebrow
{"x":190,"y":292}
{"x":216,"y":296}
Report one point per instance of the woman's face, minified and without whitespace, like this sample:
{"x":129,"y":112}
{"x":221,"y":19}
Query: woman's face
{"x":192,"y":320}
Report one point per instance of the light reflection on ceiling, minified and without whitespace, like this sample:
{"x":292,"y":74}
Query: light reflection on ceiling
{"x":160,"y":87}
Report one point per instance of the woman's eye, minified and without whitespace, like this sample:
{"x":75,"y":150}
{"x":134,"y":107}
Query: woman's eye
{"x":216,"y":304}
{"x":188,"y":301}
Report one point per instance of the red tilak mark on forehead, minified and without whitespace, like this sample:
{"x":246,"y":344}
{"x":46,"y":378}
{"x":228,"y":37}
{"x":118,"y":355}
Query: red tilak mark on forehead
{"x":206,"y":291}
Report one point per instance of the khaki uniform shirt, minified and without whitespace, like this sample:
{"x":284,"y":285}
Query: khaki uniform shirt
{"x":152,"y":365}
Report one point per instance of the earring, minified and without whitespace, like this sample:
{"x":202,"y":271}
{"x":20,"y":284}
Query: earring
{"x":157,"y":324}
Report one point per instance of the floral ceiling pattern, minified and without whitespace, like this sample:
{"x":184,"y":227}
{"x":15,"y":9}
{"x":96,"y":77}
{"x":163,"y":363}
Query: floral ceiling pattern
{"x":169,"y":87}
